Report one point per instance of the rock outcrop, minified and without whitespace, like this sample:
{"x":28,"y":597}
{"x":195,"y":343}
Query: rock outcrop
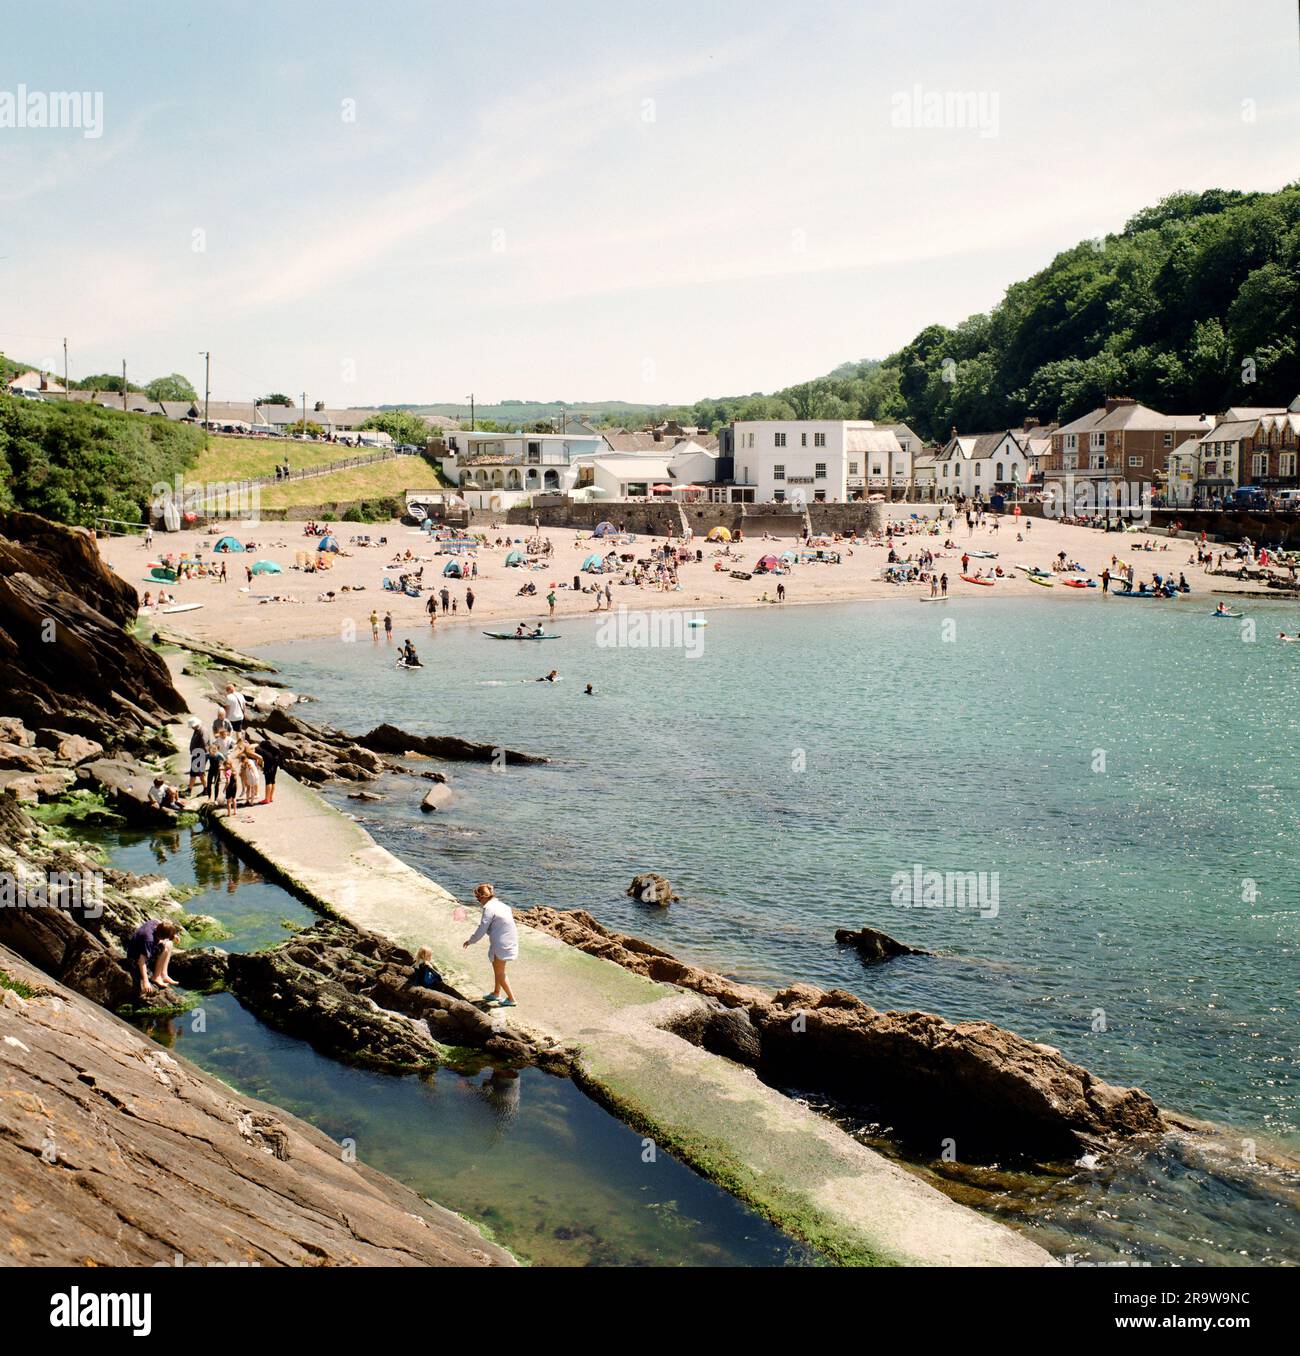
{"x":66,"y":659}
{"x":347,"y":993}
{"x":652,"y":888}
{"x":873,"y":945}
{"x":996,"y":1094}
{"x":114,"y":1152}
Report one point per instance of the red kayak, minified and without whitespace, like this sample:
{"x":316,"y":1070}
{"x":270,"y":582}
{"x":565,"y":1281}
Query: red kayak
{"x":970,"y":579}
{"x":1078,"y":583}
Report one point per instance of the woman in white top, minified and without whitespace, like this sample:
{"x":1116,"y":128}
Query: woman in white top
{"x":497,"y":923}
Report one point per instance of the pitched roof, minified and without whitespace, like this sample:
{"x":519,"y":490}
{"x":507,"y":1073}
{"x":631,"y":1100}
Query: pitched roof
{"x":1231,"y":431}
{"x":871,"y":440}
{"x":1131,"y":415}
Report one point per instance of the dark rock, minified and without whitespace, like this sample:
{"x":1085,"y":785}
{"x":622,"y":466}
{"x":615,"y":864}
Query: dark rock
{"x":390,"y":739}
{"x":652,"y":888}
{"x":202,"y":969}
{"x":125,"y":784}
{"x":875,"y":946}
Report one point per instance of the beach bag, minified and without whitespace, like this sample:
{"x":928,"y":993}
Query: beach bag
{"x":424,"y":976}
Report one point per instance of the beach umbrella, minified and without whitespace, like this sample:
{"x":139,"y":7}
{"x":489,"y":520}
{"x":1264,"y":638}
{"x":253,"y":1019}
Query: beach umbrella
{"x":719,"y":534}
{"x":267,"y":567}
{"x":661,"y":489}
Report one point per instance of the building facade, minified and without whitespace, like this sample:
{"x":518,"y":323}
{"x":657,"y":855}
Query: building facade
{"x":817,"y":460}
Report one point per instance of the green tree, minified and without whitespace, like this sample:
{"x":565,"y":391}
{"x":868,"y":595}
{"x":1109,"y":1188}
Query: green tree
{"x":174,"y":387}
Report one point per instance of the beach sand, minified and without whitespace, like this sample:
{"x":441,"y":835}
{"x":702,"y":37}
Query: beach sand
{"x":236,"y":614}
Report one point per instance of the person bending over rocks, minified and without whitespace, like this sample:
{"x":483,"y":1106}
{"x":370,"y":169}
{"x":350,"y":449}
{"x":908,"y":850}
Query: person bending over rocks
{"x":149,"y":952}
{"x":497,"y":923}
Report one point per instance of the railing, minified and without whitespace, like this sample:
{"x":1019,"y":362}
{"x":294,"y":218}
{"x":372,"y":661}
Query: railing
{"x":239,"y":487}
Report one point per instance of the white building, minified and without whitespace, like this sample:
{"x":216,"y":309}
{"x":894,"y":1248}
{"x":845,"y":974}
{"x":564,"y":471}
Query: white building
{"x":818,"y":460}
{"x":983,"y":464}
{"x":496,"y":471}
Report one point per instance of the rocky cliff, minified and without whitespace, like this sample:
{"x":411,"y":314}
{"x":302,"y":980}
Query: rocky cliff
{"x":114,"y":1152}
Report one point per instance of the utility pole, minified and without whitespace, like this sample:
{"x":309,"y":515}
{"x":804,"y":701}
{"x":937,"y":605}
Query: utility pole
{"x":304,"y":416}
{"x":207,"y":384}
{"x":124,"y":383}
{"x":471,"y":411}
{"x":65,"y":366}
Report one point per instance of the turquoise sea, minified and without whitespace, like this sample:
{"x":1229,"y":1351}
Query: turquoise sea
{"x":1123,"y":773}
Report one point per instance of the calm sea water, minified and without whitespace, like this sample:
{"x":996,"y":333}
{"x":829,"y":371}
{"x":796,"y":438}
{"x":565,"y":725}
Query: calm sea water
{"x":1125,"y":773}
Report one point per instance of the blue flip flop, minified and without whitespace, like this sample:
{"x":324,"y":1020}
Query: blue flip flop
{"x":505,"y":1002}
{"x":489,"y":999}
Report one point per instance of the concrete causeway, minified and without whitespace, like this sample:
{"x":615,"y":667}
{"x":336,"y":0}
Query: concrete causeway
{"x":793,"y":1165}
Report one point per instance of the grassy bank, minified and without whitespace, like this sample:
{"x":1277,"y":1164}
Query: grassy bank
{"x":376,"y":481}
{"x":75,"y":463}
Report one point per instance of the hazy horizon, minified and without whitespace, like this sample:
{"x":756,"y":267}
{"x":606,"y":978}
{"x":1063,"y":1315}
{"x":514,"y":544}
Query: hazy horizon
{"x":649,"y":206}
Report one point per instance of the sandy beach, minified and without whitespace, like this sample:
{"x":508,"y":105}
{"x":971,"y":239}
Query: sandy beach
{"x":242,"y":614}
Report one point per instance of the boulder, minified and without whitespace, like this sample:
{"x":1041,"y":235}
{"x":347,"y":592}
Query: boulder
{"x":69,"y":748}
{"x":437,"y":797}
{"x":13,"y":731}
{"x":202,"y":969}
{"x":390,"y":739}
{"x":32,"y":787}
{"x":872,"y":945}
{"x":364,"y":795}
{"x":125,"y":784}
{"x":652,"y":888}
{"x":20,"y":757}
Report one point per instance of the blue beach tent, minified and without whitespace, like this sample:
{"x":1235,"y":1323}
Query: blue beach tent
{"x":593,"y":564}
{"x":515,"y":558}
{"x":229,"y":544}
{"x":452,"y":569}
{"x":328,"y":544}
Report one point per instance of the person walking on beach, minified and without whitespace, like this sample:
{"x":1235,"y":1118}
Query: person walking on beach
{"x":431,"y":607}
{"x":497,"y":923}
{"x":198,"y":755}
{"x":270,"y":766}
{"x":550,"y":601}
{"x":1105,"y":581}
{"x":388,"y":626}
{"x":374,"y":625}
{"x":943,"y":586}
{"x":148,"y":536}
{"x":780,"y":593}
{"x":469,"y":600}
{"x":445,"y":595}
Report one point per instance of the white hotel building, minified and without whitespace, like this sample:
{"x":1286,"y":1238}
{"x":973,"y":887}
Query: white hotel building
{"x":829,"y":461}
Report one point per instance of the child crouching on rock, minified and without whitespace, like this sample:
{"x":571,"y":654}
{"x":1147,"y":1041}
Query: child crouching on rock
{"x":424,"y":976}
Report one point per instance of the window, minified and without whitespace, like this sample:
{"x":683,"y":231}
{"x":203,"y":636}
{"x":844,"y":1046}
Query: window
{"x":853,"y":468}
{"x":778,"y":471}
{"x":1070,"y":460}
{"x":534,"y":451}
{"x":778,"y":439}
{"x":875,"y":470}
{"x":999,"y":475}
{"x":979,"y":466}
{"x":819,"y":496}
{"x":1135,"y":461}
{"x":1169,"y":439}
{"x":778,"y":496}
{"x":819,"y":440}
{"x":1259,"y":464}
{"x":803,"y":440}
{"x":945,"y":470}
{"x":1097,"y":441}
{"x":750,"y":438}
{"x":1071,"y":441}
{"x":1286,"y":464}
{"x":820,"y":470}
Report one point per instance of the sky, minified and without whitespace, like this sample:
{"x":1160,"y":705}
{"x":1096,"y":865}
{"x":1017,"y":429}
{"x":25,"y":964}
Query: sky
{"x":654,"y":203}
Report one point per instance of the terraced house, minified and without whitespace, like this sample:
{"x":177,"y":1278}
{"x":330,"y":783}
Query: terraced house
{"x":1121,"y":443}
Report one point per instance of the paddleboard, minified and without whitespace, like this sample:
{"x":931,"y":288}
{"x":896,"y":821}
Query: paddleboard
{"x":183,"y":607}
{"x":938,"y":598}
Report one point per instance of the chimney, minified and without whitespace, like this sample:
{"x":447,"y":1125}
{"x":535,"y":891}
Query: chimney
{"x":1113,"y":402}
{"x":953,"y":434}
{"x":1031,"y":421}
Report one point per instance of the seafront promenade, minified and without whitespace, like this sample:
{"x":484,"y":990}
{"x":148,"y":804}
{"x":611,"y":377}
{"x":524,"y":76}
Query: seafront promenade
{"x":793,"y":1165}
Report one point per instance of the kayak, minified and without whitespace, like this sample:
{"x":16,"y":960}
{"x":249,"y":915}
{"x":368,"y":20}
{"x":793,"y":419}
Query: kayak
{"x":1079,"y":583}
{"x":1032,"y":569}
{"x":1227,"y":614}
{"x":970,"y":579}
{"x":510,"y":635}
{"x":938,"y":598}
{"x":1041,"y":579}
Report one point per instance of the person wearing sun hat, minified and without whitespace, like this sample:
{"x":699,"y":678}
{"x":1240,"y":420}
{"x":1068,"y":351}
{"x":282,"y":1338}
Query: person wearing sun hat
{"x":198,"y":754}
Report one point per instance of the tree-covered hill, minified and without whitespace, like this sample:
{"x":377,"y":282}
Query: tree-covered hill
{"x":77,"y":462}
{"x":1192,"y":307}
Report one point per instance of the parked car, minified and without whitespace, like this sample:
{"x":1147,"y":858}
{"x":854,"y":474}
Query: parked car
{"x":1248,"y":497}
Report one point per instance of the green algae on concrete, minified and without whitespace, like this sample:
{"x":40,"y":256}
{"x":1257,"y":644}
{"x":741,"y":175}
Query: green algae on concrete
{"x":790,"y":1164}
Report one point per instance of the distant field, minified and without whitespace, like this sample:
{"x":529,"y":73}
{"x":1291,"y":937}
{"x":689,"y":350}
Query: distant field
{"x":360,"y":482}
{"x":245,"y":458}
